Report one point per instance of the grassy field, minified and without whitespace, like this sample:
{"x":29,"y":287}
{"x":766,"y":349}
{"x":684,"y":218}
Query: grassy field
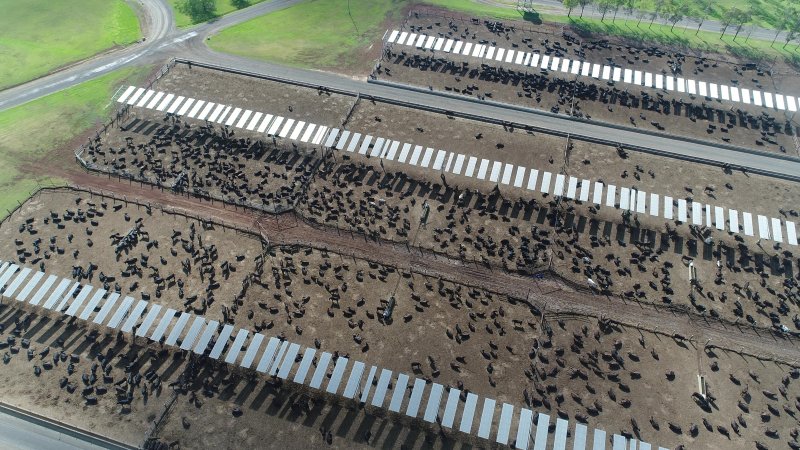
{"x":474,"y":8}
{"x":315,"y":33}
{"x":223,"y":7}
{"x":324,"y":33}
{"x":38,"y":36}
{"x":321,"y":33}
{"x":30,"y":132}
{"x":766,"y":13}
{"x":751,"y":49}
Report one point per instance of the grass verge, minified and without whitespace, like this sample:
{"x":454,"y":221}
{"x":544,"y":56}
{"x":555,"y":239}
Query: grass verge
{"x":325,"y":34}
{"x":478,"y":9}
{"x":315,"y":33}
{"x":645,"y":34}
{"x":766,"y":13}
{"x":38,"y":36}
{"x":31,"y":132}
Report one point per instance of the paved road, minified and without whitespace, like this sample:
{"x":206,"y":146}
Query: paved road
{"x":156,"y":18}
{"x":164,"y":42}
{"x":21,"y":432}
{"x":198,"y":51}
{"x":690,"y":23}
{"x":161,"y":35}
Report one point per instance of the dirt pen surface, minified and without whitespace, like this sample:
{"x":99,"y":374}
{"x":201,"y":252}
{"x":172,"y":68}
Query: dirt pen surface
{"x":517,"y":146}
{"x":212,"y":160}
{"x":248,"y":169}
{"x":33,"y":382}
{"x":492,"y":293}
{"x":578,"y":367}
{"x":173,"y":257}
{"x":518,"y":235}
{"x":634,"y":106}
{"x":756,"y":194}
{"x":748,"y":192}
{"x":513,"y":228}
{"x":246,"y":92}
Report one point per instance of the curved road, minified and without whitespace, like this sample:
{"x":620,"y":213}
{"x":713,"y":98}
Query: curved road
{"x":160,"y":36}
{"x":164,"y":41}
{"x":157,"y":22}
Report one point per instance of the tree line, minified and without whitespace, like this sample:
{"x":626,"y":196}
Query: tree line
{"x":673,"y":11}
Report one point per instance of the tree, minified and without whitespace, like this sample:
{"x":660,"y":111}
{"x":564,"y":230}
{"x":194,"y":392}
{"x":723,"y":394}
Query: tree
{"x":786,"y":21}
{"x":640,"y":14}
{"x":790,"y":35}
{"x":676,"y":10}
{"x":740,"y":18}
{"x":570,"y":5}
{"x":781,"y":25}
{"x":239,"y":4}
{"x":605,"y":6}
{"x":630,"y":6}
{"x":793,"y":29}
{"x":617,"y":5}
{"x":706,"y":9}
{"x":752,"y":11}
{"x":726,"y":19}
{"x":583,"y":4}
{"x":198,"y":10}
{"x":658,"y":6}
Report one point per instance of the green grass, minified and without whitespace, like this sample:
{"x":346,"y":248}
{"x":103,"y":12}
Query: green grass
{"x":38,"y":36}
{"x":477,"y":9}
{"x":751,"y":49}
{"x":766,"y":13}
{"x":315,"y":33}
{"x":320,"y":33}
{"x":30,"y":132}
{"x":223,"y":7}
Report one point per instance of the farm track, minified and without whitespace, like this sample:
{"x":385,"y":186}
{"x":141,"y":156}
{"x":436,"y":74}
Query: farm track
{"x":556,"y":298}
{"x":190,"y":44}
{"x":549,"y":294}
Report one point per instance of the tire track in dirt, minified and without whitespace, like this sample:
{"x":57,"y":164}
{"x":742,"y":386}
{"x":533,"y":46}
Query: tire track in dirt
{"x":549,"y":294}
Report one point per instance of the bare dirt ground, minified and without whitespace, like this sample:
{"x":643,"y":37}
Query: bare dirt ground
{"x":469,"y":137}
{"x":207,"y":418}
{"x":189,"y":155}
{"x":574,"y":366}
{"x":753,"y":193}
{"x":513,"y":229}
{"x":518,"y":236}
{"x":242,"y":171}
{"x":465,"y":274}
{"x":90,"y":378}
{"x":245,"y":169}
{"x":212,"y":425}
{"x":257,"y":94}
{"x":628,"y":105}
{"x":706,"y":184}
{"x":198,"y":267}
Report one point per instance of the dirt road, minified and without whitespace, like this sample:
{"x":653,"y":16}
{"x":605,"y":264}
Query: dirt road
{"x":548,"y":294}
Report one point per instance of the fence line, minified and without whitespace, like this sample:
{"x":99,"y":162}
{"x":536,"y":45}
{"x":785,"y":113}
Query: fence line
{"x":291,"y":207}
{"x":31,"y":194}
{"x":123,"y":109}
{"x":551,"y":271}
